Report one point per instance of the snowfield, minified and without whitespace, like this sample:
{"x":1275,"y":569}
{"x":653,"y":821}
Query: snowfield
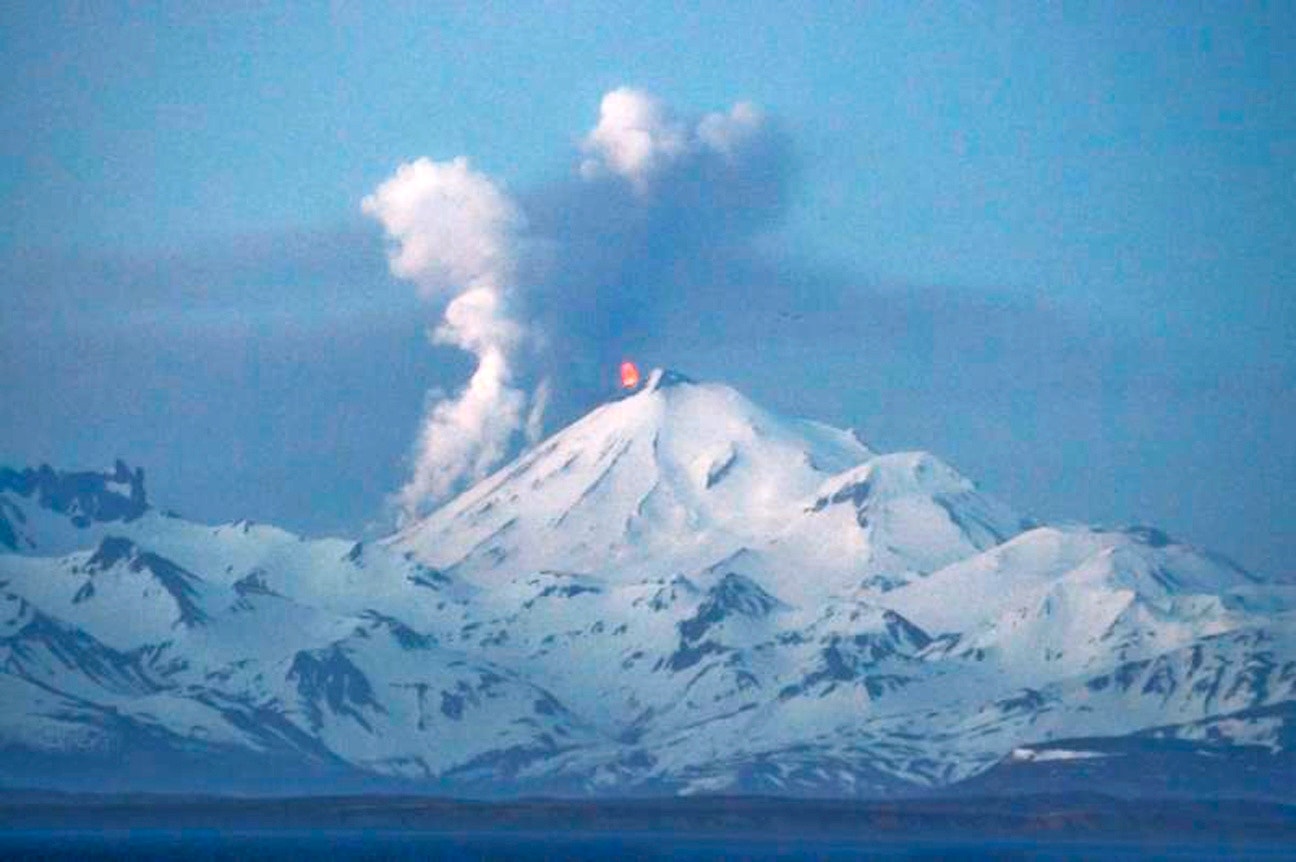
{"x":680,"y":592}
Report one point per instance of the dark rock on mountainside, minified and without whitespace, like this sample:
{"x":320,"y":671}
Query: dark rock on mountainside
{"x":84,"y":496}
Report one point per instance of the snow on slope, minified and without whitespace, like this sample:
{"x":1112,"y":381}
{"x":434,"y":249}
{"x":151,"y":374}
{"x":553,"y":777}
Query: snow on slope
{"x":679,"y":592}
{"x":233,"y":666}
{"x":42,"y":509}
{"x":682,"y":476}
{"x":902,"y":515}
{"x":1058,"y":601}
{"x":690,"y":471}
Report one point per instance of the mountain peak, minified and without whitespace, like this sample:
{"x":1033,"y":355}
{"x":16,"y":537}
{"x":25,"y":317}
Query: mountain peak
{"x":60,"y":497}
{"x":679,"y":590}
{"x":896,"y":474}
{"x":677,"y":465}
{"x":656,"y":380}
{"x":84,"y":496}
{"x":138,"y":565}
{"x":663,"y":378}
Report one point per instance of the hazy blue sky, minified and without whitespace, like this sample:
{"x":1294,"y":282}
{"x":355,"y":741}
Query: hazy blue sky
{"x":1053,"y":245}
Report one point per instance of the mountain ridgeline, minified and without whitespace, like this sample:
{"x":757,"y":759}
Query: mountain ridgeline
{"x":679,"y":593}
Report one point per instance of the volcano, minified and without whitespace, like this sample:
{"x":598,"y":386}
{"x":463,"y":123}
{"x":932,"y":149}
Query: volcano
{"x":680,"y":592}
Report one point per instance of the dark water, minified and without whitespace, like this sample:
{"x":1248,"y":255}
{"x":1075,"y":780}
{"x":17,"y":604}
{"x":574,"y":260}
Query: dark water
{"x":542,"y":847}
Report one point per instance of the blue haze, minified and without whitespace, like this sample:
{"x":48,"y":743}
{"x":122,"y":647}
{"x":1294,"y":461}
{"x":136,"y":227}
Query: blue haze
{"x":1054,"y":246}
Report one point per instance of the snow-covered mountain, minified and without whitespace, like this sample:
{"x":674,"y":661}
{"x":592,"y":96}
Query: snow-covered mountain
{"x":680,"y":592}
{"x":684,"y":475}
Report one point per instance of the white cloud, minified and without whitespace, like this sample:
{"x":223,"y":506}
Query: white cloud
{"x":477,"y":321}
{"x":450,"y":226}
{"x":635,"y":138}
{"x":455,"y":232}
{"x":464,"y":437}
{"x":535,"y":417}
{"x":638,"y":139}
{"x":466,"y":244}
{"x":728,"y":133}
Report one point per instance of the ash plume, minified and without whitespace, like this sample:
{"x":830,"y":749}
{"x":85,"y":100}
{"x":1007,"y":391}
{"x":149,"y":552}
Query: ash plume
{"x":550,"y":288}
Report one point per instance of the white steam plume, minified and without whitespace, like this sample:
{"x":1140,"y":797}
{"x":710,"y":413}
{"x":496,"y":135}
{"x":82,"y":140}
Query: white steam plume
{"x":455,"y":234}
{"x":638,"y":139}
{"x":595,"y":262}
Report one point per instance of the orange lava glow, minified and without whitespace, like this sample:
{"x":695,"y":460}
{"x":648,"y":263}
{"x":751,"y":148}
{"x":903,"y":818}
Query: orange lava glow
{"x":629,"y":375}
